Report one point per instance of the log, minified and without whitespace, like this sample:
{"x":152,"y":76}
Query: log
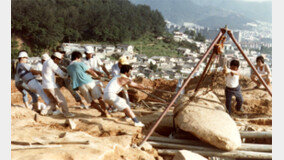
{"x":52,"y":142}
{"x":20,"y":143}
{"x":34,"y":147}
{"x":145,"y":104}
{"x":253,"y":134}
{"x":244,"y":147}
{"x":149,"y":94}
{"x":232,"y":154}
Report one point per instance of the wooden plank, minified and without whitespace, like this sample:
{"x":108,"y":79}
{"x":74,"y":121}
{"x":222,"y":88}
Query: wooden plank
{"x":244,"y":146}
{"x":232,"y":154}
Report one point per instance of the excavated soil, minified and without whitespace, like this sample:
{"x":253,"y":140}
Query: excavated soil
{"x":110,"y":138}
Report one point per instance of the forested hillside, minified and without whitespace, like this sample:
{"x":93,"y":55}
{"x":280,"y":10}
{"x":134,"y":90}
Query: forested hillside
{"x":46,"y":23}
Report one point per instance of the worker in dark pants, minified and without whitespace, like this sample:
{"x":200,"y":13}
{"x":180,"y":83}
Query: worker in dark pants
{"x":232,"y":86}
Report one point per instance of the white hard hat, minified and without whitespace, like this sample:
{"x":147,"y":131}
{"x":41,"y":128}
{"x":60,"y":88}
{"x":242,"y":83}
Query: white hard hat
{"x":89,"y":49}
{"x":58,"y":55}
{"x":23,"y":54}
{"x":45,"y":56}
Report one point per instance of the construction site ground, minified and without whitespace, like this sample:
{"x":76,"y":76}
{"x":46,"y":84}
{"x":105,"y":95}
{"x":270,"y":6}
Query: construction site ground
{"x":111,"y":138}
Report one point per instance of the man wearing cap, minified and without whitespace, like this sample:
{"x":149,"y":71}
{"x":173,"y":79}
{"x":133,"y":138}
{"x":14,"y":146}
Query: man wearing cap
{"x":115,"y":69}
{"x":26,"y":73}
{"x":89,"y":88}
{"x":49,"y":69}
{"x":94,"y":62}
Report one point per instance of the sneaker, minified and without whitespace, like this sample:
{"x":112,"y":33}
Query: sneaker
{"x":44,"y":112}
{"x":84,"y":107}
{"x":128,"y":119}
{"x":240,"y":109}
{"x":69,"y":115}
{"x":139,"y":124}
{"x":57,"y":112}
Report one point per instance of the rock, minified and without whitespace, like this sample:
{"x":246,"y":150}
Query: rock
{"x":201,"y":118}
{"x":62,"y":135}
{"x":188,"y":155}
{"x":70,"y":123}
{"x":146,"y":146}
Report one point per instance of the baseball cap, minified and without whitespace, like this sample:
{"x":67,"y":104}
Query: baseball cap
{"x":58,"y":55}
{"x":45,"y":56}
{"x":123,"y":60}
{"x":89,"y":49}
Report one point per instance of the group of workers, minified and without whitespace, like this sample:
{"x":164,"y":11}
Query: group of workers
{"x":84,"y":75}
{"x":79,"y":74}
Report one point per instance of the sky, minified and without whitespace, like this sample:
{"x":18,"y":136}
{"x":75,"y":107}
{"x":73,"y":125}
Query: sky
{"x":255,"y":0}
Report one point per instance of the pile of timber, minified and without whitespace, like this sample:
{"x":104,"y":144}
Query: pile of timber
{"x":167,"y":146}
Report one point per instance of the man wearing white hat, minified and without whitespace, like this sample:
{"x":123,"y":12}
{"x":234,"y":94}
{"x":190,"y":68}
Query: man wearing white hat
{"x":94,"y":62}
{"x":49,"y":69}
{"x":26,"y":73}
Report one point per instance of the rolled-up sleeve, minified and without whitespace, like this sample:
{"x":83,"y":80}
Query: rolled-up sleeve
{"x":58,"y":71}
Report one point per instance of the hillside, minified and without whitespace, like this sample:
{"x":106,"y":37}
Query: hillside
{"x":46,"y":24}
{"x":212,"y":13}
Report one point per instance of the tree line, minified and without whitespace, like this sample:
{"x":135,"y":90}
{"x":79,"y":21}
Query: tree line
{"x":47,"y":23}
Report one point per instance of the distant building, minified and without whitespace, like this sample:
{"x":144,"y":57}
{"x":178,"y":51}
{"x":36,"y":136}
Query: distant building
{"x":212,"y":33}
{"x":125,"y":47}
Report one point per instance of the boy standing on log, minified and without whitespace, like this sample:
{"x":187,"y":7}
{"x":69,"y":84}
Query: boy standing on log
{"x":232,"y":85}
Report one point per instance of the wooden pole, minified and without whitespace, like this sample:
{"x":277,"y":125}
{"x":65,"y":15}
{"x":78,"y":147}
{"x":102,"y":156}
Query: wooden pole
{"x":221,"y":33}
{"x":253,"y":134}
{"x":52,"y":142}
{"x":251,"y":65}
{"x":158,"y":98}
{"x":205,"y":71}
{"x":244,"y":147}
{"x":34,"y":147}
{"x":232,"y":154}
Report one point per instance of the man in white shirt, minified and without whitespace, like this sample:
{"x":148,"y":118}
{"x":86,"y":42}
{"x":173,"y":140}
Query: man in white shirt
{"x":94,"y":62}
{"x":232,"y":86}
{"x":115,"y":86}
{"x":115,"y":69}
{"x":49,"y":69}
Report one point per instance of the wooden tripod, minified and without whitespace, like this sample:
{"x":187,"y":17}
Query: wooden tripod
{"x":217,"y":39}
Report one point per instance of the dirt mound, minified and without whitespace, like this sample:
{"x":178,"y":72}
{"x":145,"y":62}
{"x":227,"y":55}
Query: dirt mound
{"x":158,"y":85}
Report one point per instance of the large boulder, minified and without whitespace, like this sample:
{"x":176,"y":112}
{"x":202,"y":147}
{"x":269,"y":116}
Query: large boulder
{"x":188,"y":155}
{"x":204,"y":116}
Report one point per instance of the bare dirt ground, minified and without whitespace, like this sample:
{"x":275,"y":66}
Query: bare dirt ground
{"x":110,"y":138}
